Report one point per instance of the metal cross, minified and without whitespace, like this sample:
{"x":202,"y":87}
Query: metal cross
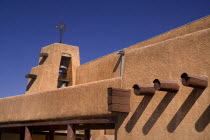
{"x":61,"y":28}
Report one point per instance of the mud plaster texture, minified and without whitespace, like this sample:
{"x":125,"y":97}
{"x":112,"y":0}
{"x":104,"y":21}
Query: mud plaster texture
{"x":168,"y":115}
{"x":99,"y":69}
{"x":87,"y":100}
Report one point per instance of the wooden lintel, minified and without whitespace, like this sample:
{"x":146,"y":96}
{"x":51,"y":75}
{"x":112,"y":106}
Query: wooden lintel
{"x":62,"y":122}
{"x":56,"y":134}
{"x":37,"y":129}
{"x":47,"y":133}
{"x":95,"y":126}
{"x":49,"y":128}
{"x":63,"y":80}
{"x":77,"y":127}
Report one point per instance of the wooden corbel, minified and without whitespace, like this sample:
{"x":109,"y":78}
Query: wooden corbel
{"x":32,"y":76}
{"x":144,"y":90}
{"x":194,"y":80}
{"x":43,"y":54}
{"x":169,"y":86}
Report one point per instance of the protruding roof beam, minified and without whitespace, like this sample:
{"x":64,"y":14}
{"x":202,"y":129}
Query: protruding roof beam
{"x":144,"y":90}
{"x":194,"y":80}
{"x":32,"y":76}
{"x":163,"y":85}
{"x":43,"y":54}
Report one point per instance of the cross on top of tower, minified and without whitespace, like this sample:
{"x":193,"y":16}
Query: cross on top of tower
{"x":61,"y":28}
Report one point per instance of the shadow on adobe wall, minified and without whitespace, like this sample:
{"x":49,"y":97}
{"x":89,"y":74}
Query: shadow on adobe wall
{"x":158,"y":111}
{"x":184,"y":109}
{"x":121,"y":118}
{"x":42,"y":60}
{"x":117,"y":64}
{"x":203,"y":121}
{"x":137,"y":114}
{"x":30,"y":84}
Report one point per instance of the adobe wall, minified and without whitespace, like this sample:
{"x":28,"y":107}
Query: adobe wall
{"x":69,"y":102}
{"x":191,"y":27}
{"x":103,"y":68}
{"x":168,"y":115}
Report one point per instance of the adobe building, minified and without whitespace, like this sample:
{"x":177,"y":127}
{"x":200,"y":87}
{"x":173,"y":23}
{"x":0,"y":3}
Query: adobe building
{"x":156,"y":89}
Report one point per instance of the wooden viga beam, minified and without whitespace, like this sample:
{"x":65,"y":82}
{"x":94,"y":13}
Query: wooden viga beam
{"x":169,"y":86}
{"x":32,"y":76}
{"x":194,"y":80}
{"x":119,"y":100}
{"x":43,"y":55}
{"x":144,"y":90}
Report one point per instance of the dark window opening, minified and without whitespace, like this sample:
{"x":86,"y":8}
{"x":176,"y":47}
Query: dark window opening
{"x":64,"y":71}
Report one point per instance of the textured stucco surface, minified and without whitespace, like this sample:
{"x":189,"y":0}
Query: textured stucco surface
{"x":150,"y":117}
{"x":197,"y":25}
{"x":47,"y":73}
{"x":99,"y":69}
{"x":87,"y":100}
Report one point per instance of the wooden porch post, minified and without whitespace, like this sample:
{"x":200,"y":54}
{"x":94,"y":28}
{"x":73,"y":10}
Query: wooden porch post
{"x":87,"y":135}
{"x":28,"y":135}
{"x":71,"y":132}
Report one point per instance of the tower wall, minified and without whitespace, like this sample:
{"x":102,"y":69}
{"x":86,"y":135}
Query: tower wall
{"x":48,"y":70}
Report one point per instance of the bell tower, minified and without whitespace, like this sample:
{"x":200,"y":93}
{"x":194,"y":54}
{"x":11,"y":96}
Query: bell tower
{"x":56,"y":69}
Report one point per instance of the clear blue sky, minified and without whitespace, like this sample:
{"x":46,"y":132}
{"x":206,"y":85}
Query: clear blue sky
{"x":98,"y":27}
